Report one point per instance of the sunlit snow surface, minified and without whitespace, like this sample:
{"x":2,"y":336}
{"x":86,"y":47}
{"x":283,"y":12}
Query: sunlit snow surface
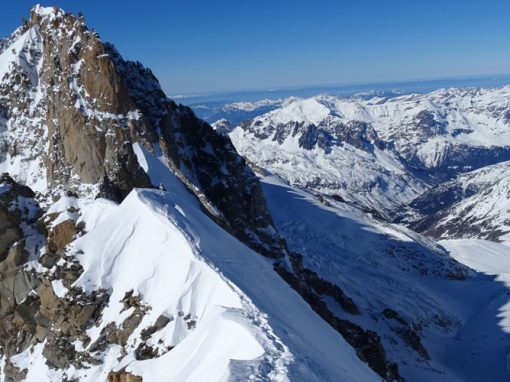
{"x":419,"y":131}
{"x":161,"y":245}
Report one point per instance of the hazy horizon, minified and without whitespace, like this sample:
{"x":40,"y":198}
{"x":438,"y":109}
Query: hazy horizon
{"x":227,"y":46}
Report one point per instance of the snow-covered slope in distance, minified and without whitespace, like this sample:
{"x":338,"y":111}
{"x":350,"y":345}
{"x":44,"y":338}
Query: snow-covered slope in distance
{"x":473,"y":205}
{"x":237,"y":112}
{"x":407,"y":288}
{"x":379,"y":153}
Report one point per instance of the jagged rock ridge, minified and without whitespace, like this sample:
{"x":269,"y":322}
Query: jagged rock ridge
{"x":72,"y":109}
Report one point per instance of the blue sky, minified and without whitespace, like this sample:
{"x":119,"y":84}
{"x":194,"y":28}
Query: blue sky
{"x":196,"y":46}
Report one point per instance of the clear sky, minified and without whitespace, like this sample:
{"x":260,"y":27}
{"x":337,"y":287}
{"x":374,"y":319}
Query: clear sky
{"x":196,"y":46}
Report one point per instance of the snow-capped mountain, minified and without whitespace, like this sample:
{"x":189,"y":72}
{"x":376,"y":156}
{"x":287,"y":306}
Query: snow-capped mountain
{"x":312,"y":149}
{"x":136,"y":244}
{"x":237,"y":112}
{"x":379,"y":153}
{"x":94,"y":289}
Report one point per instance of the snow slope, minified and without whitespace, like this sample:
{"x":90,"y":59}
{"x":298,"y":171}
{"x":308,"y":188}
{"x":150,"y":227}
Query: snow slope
{"x":488,"y":327}
{"x":248,"y":324}
{"x":384,"y":266}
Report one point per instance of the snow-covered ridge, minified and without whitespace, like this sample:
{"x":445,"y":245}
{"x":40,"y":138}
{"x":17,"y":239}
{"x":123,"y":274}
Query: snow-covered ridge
{"x":226,"y":311}
{"x":471,"y":116}
{"x":251,"y":106}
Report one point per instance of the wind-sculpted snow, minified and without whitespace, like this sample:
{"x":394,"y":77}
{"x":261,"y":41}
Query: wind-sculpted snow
{"x":186,"y":300}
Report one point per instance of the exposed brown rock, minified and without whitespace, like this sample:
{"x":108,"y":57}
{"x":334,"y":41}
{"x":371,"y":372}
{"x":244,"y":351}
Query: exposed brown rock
{"x":17,"y":306}
{"x":160,"y":323}
{"x":123,"y":376}
{"x":13,"y":373}
{"x":61,"y":235}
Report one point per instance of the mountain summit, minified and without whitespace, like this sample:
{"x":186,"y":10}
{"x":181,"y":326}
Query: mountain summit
{"x":71,"y":109}
{"x":165,"y":285}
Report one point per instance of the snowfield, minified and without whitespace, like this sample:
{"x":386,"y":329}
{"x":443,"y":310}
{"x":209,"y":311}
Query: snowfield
{"x":380,"y":265}
{"x":231,"y":316}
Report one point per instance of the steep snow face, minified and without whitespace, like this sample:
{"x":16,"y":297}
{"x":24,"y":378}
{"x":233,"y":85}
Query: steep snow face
{"x":423,"y":304}
{"x":150,"y":256}
{"x":228,"y":315}
{"x":473,"y":205}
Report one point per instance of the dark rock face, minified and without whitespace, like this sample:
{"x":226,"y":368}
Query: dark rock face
{"x":406,"y":332}
{"x":309,"y":137}
{"x":17,"y":324}
{"x":359,"y":134}
{"x":312,"y":288}
{"x":328,"y":133}
{"x":427,"y":123}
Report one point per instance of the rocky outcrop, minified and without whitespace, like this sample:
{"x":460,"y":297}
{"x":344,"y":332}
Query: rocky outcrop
{"x":19,"y":213}
{"x":92,"y":106}
{"x":204,"y":160}
{"x":123,"y":376}
{"x":313,"y":289}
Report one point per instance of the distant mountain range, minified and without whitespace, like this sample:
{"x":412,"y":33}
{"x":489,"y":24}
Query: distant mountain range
{"x":214,"y":106}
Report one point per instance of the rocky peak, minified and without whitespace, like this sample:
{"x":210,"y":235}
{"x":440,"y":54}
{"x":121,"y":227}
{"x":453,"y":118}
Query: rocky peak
{"x":73,"y":108}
